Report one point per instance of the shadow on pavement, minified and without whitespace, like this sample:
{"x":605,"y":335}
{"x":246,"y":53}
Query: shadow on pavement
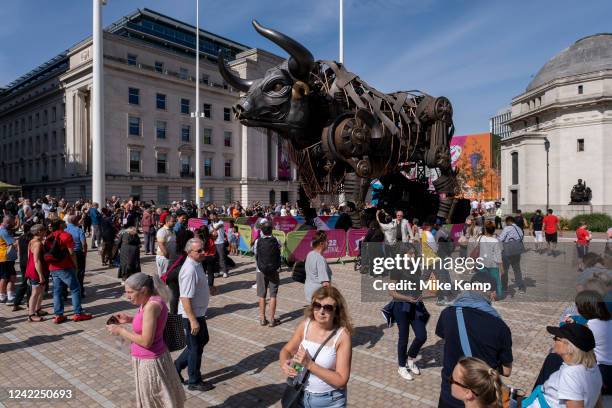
{"x":36,"y":340}
{"x":264,"y":396}
{"x":369,"y":335}
{"x":234,"y":307}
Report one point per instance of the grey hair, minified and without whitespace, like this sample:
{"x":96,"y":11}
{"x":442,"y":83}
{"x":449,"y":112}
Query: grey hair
{"x":153,"y":284}
{"x":36,"y":229}
{"x":190,"y":243}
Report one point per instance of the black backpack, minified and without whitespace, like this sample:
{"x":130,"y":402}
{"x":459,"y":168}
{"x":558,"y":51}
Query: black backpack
{"x":268,"y":256}
{"x":54,"y":252}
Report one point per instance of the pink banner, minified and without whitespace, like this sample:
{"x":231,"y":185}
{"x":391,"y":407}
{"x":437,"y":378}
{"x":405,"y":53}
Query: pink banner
{"x":354,"y":237}
{"x":195,"y":223}
{"x":456,"y":231}
{"x":285,"y":224}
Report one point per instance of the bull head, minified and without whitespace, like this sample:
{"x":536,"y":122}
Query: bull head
{"x":279,"y":100}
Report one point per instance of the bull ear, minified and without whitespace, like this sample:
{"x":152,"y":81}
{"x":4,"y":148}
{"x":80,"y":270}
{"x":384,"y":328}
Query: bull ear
{"x":235,"y":81}
{"x":301,"y":61}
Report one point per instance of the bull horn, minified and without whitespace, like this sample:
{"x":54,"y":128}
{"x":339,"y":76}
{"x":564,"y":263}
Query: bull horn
{"x":235,"y":81}
{"x":301,"y":61}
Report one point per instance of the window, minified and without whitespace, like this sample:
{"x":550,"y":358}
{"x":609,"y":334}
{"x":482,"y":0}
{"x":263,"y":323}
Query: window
{"x":160,"y":101}
{"x":162,"y":194}
{"x":185,"y":106}
{"x":228,"y":168}
{"x":134,"y":96}
{"x":208,"y":167}
{"x":229,"y":196}
{"x":580,"y":89}
{"x":45,"y":120}
{"x":185,"y":165}
{"x":186,"y":193}
{"x":53,"y":114}
{"x":207,"y":136}
{"x":515,"y":169}
{"x":581,"y":145}
{"x":36,"y":121}
{"x":207,"y":110}
{"x":159,"y":66}
{"x":134,"y":126}
{"x":22,"y":125}
{"x":160,"y":129}
{"x":132,"y":59}
{"x":205,"y":79}
{"x":134,"y":161}
{"x":183,"y":73}
{"x":227,"y":139}
{"x":208,"y":195}
{"x":162,"y":163}
{"x":136,"y":192}
{"x":227,"y":114}
{"x":185,"y":133}
{"x":45,"y":143}
{"x":53,"y":141}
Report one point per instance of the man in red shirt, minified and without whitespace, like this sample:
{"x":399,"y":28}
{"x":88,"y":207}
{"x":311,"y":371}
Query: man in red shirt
{"x":551,"y":226}
{"x":583,"y":237}
{"x":62,"y":269}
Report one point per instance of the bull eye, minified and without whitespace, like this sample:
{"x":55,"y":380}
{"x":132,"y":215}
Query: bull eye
{"x":276,"y":86}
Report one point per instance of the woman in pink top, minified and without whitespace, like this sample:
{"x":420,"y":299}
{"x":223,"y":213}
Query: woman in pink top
{"x":157,"y":382}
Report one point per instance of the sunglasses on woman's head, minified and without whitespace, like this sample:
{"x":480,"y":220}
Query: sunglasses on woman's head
{"x":327,"y":308}
{"x":452,"y":381}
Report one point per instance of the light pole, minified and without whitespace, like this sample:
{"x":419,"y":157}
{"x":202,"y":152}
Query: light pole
{"x":196,"y":114}
{"x":98,"y":176}
{"x":341,"y":38}
{"x":547,"y":148}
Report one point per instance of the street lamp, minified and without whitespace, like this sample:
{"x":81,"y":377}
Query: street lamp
{"x":341,"y":37}
{"x":98,"y":174}
{"x":547,"y":148}
{"x":197,"y":113}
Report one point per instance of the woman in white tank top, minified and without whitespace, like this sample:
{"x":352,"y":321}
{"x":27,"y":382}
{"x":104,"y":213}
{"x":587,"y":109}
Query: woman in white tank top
{"x":330,"y":372}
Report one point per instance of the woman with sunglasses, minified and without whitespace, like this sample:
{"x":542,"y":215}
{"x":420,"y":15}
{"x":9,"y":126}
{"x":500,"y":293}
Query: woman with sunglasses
{"x":327,"y":322}
{"x":476,"y":384}
{"x":318,"y":273}
{"x":577,"y":384}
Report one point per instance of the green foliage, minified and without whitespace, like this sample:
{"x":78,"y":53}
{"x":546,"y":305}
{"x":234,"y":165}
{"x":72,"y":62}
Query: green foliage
{"x":564,"y":224}
{"x":596,"y":222}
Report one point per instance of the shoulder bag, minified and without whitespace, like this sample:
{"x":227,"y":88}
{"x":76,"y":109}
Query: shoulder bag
{"x":295,"y":392}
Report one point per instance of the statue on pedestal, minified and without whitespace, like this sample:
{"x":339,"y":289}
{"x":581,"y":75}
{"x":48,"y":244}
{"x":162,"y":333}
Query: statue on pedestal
{"x":581,"y":194}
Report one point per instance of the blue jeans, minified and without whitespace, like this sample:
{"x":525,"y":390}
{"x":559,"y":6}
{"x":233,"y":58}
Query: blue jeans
{"x":331,"y":399}
{"x":191,"y":357}
{"x":68,"y":277}
{"x":404,"y":320}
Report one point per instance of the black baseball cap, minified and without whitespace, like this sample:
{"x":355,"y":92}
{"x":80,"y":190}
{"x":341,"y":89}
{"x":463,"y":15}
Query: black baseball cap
{"x":577,"y":334}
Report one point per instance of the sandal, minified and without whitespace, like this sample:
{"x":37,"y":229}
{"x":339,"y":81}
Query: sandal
{"x":275,"y":322}
{"x":263,"y":322}
{"x":36,"y":318}
{"x":41,"y":312}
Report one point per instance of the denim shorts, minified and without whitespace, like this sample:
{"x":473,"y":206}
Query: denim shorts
{"x":331,"y":399}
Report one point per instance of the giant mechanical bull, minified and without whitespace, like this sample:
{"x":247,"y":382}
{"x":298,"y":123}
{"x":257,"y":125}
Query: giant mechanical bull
{"x":337,"y":124}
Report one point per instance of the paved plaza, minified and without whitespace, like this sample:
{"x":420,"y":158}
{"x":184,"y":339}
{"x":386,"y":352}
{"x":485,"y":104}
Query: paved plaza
{"x":241,"y":358}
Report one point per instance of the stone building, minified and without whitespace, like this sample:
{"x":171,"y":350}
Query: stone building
{"x":569,"y":104}
{"x":149,"y":77}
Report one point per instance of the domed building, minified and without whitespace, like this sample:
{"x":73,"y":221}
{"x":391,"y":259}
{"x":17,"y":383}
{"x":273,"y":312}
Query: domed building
{"x":566,"y":111}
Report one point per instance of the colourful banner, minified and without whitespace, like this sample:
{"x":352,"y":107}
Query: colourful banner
{"x":354,"y":238}
{"x":326,"y":222}
{"x":245,"y":238}
{"x":455,"y":231}
{"x":288,"y":223}
{"x":299,"y":244}
{"x":282,"y":238}
{"x":195,"y":223}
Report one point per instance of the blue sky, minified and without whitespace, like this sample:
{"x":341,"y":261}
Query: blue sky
{"x":478,"y":53}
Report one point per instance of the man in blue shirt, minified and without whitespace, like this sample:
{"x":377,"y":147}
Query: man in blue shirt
{"x":96,"y":217}
{"x":80,"y":248}
{"x":181,"y":222}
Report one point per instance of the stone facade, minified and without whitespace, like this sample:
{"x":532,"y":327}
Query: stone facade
{"x":574,"y":113}
{"x":149,"y":132}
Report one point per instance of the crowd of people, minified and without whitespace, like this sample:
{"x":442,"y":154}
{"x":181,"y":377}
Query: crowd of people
{"x":49,"y":238}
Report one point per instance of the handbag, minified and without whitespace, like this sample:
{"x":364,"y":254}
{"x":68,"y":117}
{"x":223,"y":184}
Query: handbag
{"x":514,"y":247}
{"x":295,"y":392}
{"x":475,"y":253}
{"x":174,"y":333}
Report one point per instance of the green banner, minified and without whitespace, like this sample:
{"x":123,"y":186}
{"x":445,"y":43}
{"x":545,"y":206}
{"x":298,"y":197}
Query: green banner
{"x":280,"y":235}
{"x":245,"y":238}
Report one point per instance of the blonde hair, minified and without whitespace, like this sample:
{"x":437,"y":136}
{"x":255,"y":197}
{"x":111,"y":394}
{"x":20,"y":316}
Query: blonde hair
{"x":483,"y":381}
{"x":341,"y":317}
{"x":580,"y":357}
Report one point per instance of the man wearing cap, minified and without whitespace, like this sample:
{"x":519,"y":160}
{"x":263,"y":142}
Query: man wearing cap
{"x":472,"y":327}
{"x":578,"y":382}
{"x":267,"y":250}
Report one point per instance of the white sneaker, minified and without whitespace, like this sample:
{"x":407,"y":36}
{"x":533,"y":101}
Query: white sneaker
{"x":412,"y":367}
{"x":403,"y":372}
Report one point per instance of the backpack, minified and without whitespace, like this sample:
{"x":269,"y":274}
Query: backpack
{"x":54,"y":252}
{"x":268,"y":256}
